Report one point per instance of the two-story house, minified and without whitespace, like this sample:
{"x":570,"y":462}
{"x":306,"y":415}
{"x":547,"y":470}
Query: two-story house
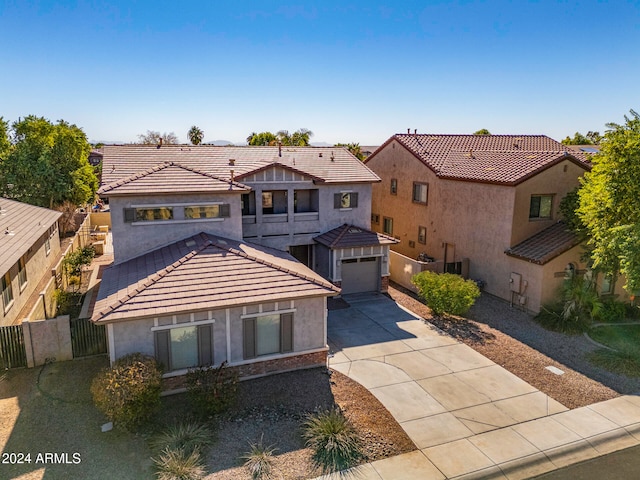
{"x":215,"y":250}
{"x":492,"y":199}
{"x":29,"y":248}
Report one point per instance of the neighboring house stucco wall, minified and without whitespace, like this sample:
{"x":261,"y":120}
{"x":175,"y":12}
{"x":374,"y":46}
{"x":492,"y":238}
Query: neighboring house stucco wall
{"x":38,"y":263}
{"x":309,"y":329}
{"x":557,"y":180}
{"x":133,"y":239}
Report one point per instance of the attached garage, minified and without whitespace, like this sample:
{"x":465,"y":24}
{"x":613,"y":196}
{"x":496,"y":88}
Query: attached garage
{"x":354,"y":258}
{"x":360,"y":275}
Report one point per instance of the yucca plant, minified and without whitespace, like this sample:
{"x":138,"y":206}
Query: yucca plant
{"x":335,"y":443}
{"x":259,"y":460}
{"x":177,"y":464}
{"x":188,"y":436}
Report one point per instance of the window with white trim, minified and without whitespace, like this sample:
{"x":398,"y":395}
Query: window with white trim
{"x":268,"y":334}
{"x":345,"y":200}
{"x":420,"y":192}
{"x":387,"y":225}
{"x":184,"y":346}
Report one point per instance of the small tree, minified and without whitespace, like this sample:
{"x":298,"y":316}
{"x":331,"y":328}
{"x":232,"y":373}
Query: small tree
{"x":212,"y":390}
{"x":77,"y":259}
{"x":129,"y":392}
{"x":446,"y":292}
{"x":195,"y":135}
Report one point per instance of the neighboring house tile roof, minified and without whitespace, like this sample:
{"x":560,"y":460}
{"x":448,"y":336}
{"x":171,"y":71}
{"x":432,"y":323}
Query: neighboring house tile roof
{"x":203,"y":272}
{"x":545,"y":245}
{"x":323,"y":164}
{"x":170,"y":177}
{"x":21,"y":225}
{"x":503,"y":159}
{"x":346,"y":236}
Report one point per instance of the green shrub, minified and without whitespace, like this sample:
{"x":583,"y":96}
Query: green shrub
{"x":129,"y":392}
{"x":446,"y":292}
{"x":611,"y":311}
{"x":212,"y":390}
{"x":75,"y":260}
{"x":335,"y":443}
{"x":179,"y":465}
{"x":189,"y":436}
{"x":68,"y":303}
{"x":259,"y":460}
{"x":624,"y":362}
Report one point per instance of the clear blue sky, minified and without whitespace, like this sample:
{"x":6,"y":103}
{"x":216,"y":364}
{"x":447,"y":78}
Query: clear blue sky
{"x":351,"y":71}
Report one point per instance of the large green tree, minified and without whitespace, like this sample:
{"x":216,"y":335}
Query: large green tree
{"x":591,"y":138}
{"x":299,"y":138}
{"x":5,"y":143}
{"x":354,"y":148}
{"x":48,"y":164}
{"x":609,"y":202}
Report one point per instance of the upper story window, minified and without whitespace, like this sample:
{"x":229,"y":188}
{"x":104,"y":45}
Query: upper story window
{"x":420,"y":192}
{"x":22,"y":273}
{"x":540,"y":206}
{"x":47,"y":246}
{"x":345,"y":200}
{"x":206,"y":211}
{"x":274,"y":201}
{"x":375,"y":218}
{"x":394,"y":186}
{"x":148,"y":214}
{"x":7,"y":291}
{"x":305,"y":201}
{"x":249,"y":203}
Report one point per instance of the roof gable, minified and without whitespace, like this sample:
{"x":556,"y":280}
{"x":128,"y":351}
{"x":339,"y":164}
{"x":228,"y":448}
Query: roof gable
{"x":170,"y":177}
{"x":203,"y":272}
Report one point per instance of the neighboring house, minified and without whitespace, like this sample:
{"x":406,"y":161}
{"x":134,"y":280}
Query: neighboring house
{"x":29,"y":245}
{"x":491,"y":199}
{"x":215,"y":250}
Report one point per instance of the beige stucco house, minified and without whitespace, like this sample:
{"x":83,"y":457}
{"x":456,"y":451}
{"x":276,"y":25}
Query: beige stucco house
{"x":29,"y":247}
{"x":491,"y":199}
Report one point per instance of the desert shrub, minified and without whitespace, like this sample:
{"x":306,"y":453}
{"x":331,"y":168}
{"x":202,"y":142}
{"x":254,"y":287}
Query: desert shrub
{"x":189,"y":436}
{"x":129,"y":392}
{"x":446,"y":292}
{"x":212,"y":390}
{"x":179,"y":465}
{"x":335,"y":443}
{"x":68,"y":303}
{"x":259,"y":460}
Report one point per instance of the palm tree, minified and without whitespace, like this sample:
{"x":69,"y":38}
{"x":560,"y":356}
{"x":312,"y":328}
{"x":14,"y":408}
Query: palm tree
{"x":195,"y":135}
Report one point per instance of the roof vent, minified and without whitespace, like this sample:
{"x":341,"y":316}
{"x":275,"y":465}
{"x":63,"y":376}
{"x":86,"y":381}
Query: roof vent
{"x":408,"y":131}
{"x":232,"y":161}
{"x":159,"y":142}
{"x":332,"y":156}
{"x":320,"y":154}
{"x":9,"y":232}
{"x":190,"y":243}
{"x":415,"y":131}
{"x":279,"y":149}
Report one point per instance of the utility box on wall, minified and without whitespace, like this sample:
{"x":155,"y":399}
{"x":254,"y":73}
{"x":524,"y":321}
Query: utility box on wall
{"x":515,"y":282}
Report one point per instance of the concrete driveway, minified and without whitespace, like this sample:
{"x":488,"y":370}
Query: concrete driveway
{"x":466,"y":414}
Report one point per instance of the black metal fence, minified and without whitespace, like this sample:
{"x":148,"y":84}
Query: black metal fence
{"x":87,"y":338}
{"x":12,"y":351}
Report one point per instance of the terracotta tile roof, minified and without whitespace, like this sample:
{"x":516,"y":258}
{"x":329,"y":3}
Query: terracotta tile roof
{"x":545,"y":245}
{"x":326,"y":164}
{"x":347,"y":236}
{"x":25,"y":224}
{"x":200,"y":273}
{"x":504,"y":159}
{"x":170,"y":177}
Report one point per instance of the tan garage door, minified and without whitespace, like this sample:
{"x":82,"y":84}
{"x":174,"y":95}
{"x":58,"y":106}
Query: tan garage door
{"x":360,"y":275}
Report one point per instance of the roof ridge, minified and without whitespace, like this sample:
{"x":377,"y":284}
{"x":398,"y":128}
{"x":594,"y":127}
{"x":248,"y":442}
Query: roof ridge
{"x":240,"y":253}
{"x":345,"y":228}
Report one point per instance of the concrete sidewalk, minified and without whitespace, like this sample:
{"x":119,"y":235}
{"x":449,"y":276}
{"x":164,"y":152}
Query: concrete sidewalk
{"x":469,"y":417}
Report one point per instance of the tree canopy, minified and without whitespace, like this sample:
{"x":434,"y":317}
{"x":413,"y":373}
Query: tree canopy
{"x":5,"y":143}
{"x":482,"y":131}
{"x":609,"y":206}
{"x":153,"y":138}
{"x":195,"y":135}
{"x":591,"y":138}
{"x":47,"y":164}
{"x":299,"y":138}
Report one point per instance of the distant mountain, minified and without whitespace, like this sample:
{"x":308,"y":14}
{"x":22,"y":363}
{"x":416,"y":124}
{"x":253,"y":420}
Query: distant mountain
{"x":220,"y":143}
{"x":321,"y":144}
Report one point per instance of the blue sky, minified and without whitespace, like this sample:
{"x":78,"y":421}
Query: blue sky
{"x":349,"y":71}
